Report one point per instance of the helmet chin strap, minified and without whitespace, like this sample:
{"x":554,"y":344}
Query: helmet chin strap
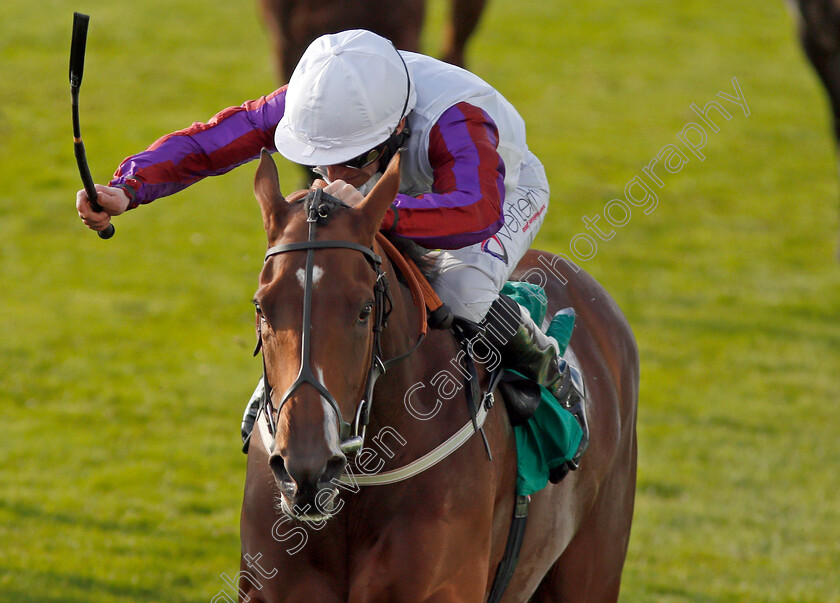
{"x":394,"y":143}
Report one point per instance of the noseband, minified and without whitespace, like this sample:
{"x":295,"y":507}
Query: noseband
{"x":319,"y":206}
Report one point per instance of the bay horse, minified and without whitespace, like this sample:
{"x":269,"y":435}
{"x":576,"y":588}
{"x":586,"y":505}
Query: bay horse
{"x":308,"y":533}
{"x":293,"y":24}
{"x":818,"y":24}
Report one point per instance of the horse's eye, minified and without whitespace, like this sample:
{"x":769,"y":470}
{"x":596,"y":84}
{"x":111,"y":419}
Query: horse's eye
{"x":259,"y":309}
{"x":365,"y":312}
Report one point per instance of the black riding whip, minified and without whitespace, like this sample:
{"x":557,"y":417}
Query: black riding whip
{"x":77,"y":67}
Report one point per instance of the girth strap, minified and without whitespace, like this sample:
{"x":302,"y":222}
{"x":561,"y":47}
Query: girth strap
{"x":506,"y":567}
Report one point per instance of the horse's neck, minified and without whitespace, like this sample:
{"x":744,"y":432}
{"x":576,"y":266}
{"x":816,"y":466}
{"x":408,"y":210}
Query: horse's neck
{"x":401,"y":331}
{"x":413,"y":378}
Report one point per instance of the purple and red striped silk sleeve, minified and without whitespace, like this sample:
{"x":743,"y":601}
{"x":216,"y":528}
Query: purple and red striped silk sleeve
{"x":468,"y":190}
{"x":464,"y":207}
{"x":232,"y":137}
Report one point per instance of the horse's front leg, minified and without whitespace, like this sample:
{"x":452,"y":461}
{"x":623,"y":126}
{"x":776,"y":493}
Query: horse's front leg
{"x":281,"y":576}
{"x":428,"y":556}
{"x":419,"y":578}
{"x":298,"y":590}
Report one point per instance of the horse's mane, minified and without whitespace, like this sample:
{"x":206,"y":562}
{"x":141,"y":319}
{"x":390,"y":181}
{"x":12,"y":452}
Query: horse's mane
{"x":416,"y":253}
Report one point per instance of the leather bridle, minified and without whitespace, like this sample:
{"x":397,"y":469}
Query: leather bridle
{"x":352,"y":436}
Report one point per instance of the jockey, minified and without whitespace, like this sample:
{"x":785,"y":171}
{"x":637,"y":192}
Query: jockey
{"x":470,"y":189}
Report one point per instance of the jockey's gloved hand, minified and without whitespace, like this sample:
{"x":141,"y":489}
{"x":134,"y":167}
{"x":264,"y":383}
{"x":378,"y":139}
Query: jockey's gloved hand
{"x":113,"y":201}
{"x":345,"y":192}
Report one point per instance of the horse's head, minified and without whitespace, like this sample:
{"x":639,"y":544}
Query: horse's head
{"x":320,"y":304}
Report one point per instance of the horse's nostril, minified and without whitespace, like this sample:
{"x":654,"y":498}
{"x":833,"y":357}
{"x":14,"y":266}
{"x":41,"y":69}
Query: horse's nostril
{"x":276,"y":462}
{"x":278,"y":467}
{"x":332,"y":471}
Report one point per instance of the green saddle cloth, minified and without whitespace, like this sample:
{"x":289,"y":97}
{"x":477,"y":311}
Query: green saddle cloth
{"x":552,"y":435}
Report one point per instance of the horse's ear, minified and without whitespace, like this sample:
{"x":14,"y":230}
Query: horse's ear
{"x":267,"y":191}
{"x":377,"y":202}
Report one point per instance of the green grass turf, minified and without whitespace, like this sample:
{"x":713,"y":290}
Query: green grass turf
{"x":126,"y":363}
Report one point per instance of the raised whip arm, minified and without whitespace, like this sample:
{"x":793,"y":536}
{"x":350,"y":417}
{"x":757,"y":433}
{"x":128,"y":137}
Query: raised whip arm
{"x":77,"y":67}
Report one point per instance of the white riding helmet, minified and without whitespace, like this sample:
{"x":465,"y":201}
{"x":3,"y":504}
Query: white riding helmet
{"x":346,"y":96}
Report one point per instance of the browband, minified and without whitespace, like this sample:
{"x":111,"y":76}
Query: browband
{"x":303,"y":245}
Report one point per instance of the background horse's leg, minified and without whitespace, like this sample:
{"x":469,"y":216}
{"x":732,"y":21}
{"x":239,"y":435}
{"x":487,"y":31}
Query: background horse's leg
{"x":819,"y":34}
{"x":827,"y":66}
{"x":271,"y":13}
{"x":465,"y":15}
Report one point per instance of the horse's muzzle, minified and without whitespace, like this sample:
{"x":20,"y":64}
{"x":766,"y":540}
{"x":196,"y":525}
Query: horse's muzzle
{"x":309,"y":490}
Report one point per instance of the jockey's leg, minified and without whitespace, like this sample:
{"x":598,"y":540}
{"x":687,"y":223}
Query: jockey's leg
{"x":469,"y":280}
{"x":250,"y":416}
{"x":523,"y":346}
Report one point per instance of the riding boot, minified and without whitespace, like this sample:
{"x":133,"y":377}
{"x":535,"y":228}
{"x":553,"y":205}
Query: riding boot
{"x":527,"y":350}
{"x":250,"y":416}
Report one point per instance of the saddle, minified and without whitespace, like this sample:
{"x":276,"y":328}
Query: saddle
{"x":522,"y":395}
